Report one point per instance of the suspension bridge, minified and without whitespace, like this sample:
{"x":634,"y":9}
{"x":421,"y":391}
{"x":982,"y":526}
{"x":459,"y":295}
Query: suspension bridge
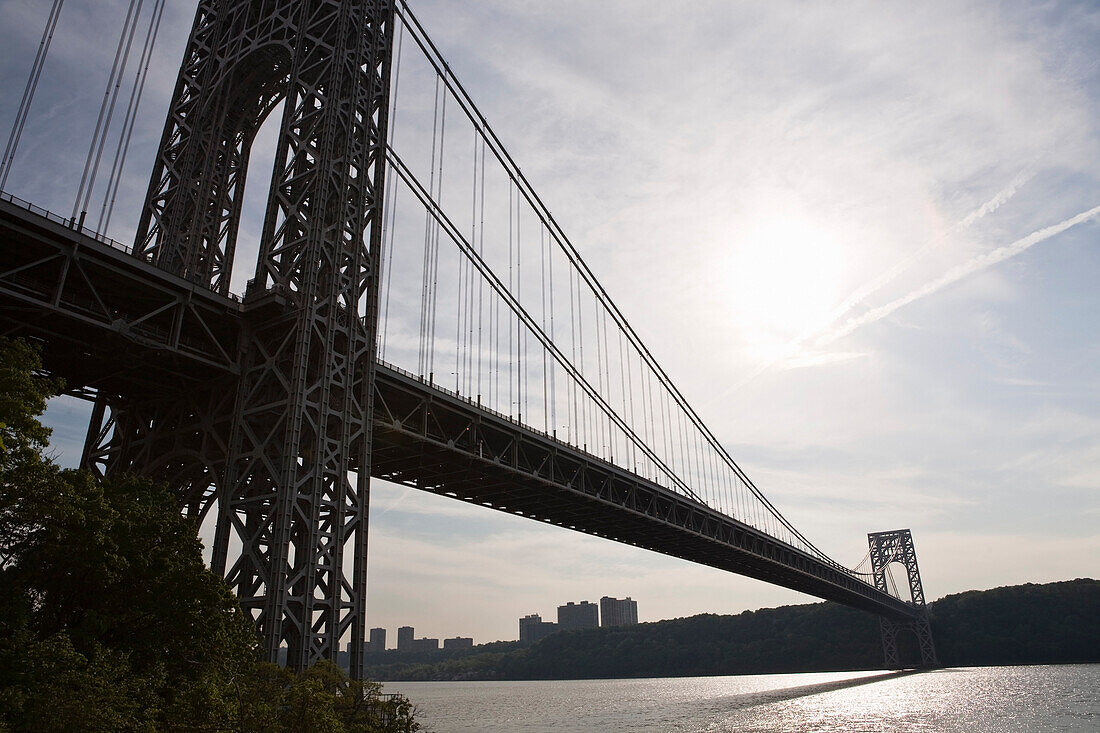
{"x":416,"y":314}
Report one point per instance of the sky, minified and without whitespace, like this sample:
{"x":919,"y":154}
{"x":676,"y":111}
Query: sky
{"x":862,"y":238}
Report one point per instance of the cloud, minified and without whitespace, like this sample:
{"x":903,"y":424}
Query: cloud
{"x":805,"y":359}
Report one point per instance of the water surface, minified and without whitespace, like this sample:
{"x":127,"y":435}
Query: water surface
{"x":974,"y":699}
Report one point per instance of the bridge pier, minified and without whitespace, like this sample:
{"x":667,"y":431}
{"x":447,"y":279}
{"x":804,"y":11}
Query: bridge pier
{"x":897,"y":546}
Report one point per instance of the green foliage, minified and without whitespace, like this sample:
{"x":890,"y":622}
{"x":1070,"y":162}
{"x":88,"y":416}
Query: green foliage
{"x":110,"y":621}
{"x":1023,"y":624}
{"x":23,"y":398}
{"x":321,"y":699}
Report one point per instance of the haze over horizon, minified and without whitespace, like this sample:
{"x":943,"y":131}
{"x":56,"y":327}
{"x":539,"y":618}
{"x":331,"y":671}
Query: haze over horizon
{"x":862,"y":240}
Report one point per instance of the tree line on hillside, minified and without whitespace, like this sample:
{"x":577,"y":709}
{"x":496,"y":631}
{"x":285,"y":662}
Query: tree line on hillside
{"x":110,"y":621}
{"x":1026,"y":624}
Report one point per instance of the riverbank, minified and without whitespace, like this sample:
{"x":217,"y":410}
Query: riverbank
{"x":1025,"y":624}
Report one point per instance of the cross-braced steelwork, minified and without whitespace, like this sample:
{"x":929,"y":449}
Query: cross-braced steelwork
{"x":897,"y":546}
{"x":300,"y":422}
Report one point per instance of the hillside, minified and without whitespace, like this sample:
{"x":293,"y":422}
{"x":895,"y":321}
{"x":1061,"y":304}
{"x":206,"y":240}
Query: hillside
{"x":1024,"y":624}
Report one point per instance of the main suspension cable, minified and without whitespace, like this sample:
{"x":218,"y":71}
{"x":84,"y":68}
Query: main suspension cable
{"x":521,"y":313}
{"x":28,"y":91}
{"x":443,"y":71}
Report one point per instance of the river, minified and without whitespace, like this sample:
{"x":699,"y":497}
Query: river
{"x":974,"y":699}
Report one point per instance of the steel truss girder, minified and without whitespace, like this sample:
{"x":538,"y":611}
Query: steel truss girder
{"x":423,"y":437}
{"x":897,"y":546}
{"x":153,"y":331}
{"x":300,"y":355}
{"x":159,"y":352}
{"x":439,"y":442}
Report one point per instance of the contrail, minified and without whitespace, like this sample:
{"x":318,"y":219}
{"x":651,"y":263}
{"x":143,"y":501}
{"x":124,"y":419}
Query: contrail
{"x":981,"y":262}
{"x":865,"y":291}
{"x":894,"y":272}
{"x":995,"y":203}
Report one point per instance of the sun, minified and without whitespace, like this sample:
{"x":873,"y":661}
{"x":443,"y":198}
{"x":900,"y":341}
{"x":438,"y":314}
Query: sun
{"x":785,"y":275}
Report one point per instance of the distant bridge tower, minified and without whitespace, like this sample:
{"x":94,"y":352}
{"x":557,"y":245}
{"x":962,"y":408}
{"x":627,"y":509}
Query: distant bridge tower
{"x":897,"y":546}
{"x":277,"y":444}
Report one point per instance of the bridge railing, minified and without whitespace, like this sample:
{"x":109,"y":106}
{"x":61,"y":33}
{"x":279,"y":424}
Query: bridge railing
{"x":65,"y":221}
{"x":70,"y":223}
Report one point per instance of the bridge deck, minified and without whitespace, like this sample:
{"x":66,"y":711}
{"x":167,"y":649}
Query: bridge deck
{"x":109,"y":321}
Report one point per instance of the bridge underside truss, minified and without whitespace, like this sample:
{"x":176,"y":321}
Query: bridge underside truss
{"x":443,"y":443}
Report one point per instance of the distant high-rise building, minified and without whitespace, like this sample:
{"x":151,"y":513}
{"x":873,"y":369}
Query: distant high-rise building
{"x":459,"y":642}
{"x":425,"y":645}
{"x":616,"y":612}
{"x":532,"y":628}
{"x":583,"y":615}
{"x":377,"y":641}
{"x":405,"y":639}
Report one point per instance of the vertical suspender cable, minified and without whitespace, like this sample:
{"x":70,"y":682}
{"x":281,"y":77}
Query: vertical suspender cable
{"x":545,"y":354}
{"x":598,"y":424}
{"x":630,"y":391}
{"x":622,"y":375}
{"x":132,"y":106}
{"x":388,"y":229}
{"x":469,"y":335}
{"x":106,"y":112}
{"x":607,"y":381}
{"x":460,"y":296}
{"x":28,"y":91}
{"x":511,"y":289}
{"x":553,"y":366}
{"x":666,"y":424}
{"x":701,"y":472}
{"x":461,"y":291}
{"x":574,"y":419}
{"x":480,"y":280}
{"x":427,"y":264}
{"x":582,"y":365}
{"x":435,"y":234}
{"x":521,"y":333}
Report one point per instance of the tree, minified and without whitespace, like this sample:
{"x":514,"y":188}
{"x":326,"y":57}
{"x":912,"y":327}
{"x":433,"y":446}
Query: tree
{"x":109,"y":619}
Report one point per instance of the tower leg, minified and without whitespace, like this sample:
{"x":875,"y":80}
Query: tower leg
{"x":889,"y":631}
{"x":179,"y":440}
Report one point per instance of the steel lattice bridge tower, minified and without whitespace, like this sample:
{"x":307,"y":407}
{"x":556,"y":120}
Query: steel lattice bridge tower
{"x":273,"y":411}
{"x":897,"y":546}
{"x":302,"y":417}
